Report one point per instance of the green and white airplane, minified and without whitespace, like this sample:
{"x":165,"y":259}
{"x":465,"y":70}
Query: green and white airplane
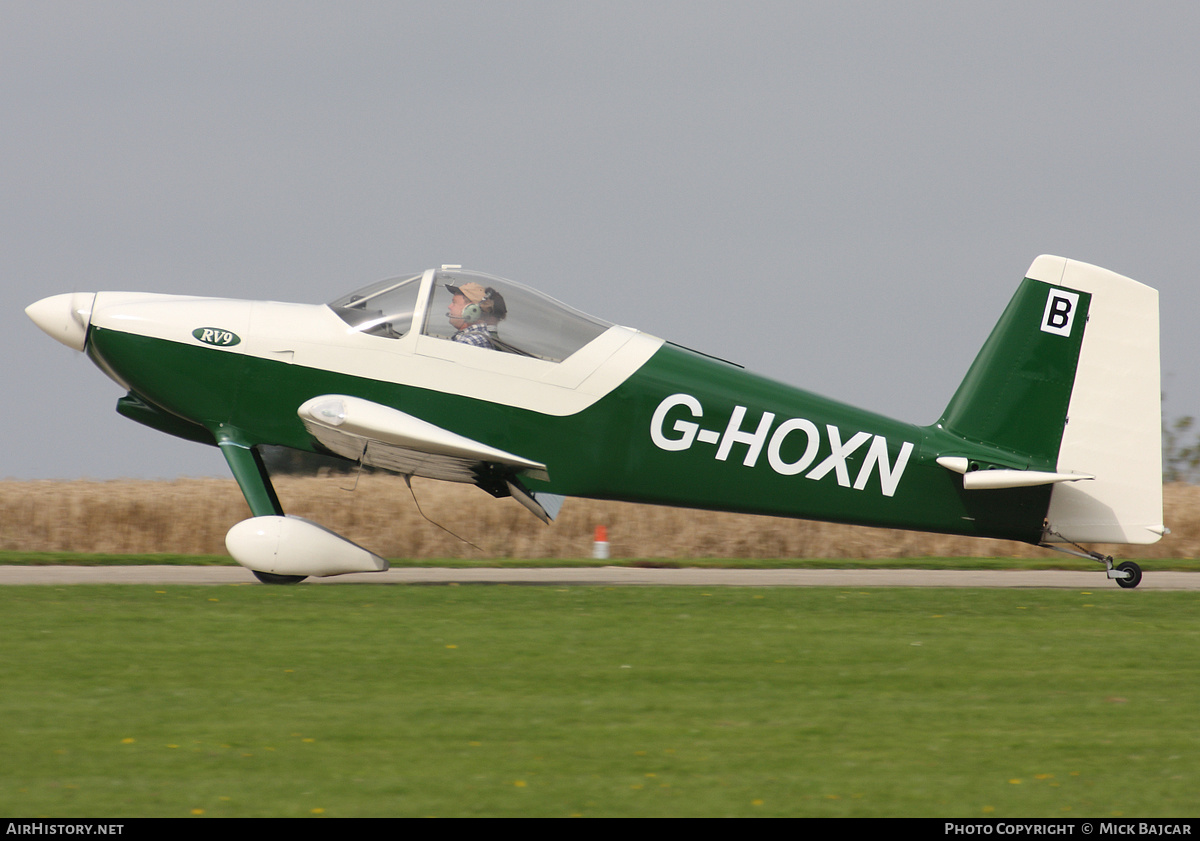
{"x":1052,"y":439}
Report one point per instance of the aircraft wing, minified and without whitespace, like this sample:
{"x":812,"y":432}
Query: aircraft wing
{"x":387,"y":438}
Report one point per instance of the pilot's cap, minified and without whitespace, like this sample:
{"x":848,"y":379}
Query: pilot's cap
{"x":489,"y":300}
{"x":472,"y":291}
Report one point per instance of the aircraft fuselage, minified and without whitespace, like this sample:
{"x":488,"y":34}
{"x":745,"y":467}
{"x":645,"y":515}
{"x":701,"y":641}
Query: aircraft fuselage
{"x":683,"y":429}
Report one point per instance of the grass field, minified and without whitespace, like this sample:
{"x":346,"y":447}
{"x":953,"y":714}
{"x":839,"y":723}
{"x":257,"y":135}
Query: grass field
{"x":131,"y":701}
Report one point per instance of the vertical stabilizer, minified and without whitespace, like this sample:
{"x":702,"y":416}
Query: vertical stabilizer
{"x":1067,"y":385}
{"x":1016,"y":394}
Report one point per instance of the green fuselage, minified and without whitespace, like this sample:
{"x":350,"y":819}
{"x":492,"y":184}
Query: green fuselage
{"x":683,"y":430}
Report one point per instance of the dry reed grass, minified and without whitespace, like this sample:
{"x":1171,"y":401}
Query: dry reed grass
{"x":191,"y":516}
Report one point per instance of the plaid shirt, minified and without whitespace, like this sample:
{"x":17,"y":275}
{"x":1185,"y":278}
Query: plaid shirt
{"x":477,"y":335}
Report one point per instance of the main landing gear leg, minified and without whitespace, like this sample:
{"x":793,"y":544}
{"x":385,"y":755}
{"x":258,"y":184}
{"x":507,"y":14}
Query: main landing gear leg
{"x":252,"y":477}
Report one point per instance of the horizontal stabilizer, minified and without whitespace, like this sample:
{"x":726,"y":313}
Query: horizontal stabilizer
{"x":979,"y":480}
{"x":388,"y":438}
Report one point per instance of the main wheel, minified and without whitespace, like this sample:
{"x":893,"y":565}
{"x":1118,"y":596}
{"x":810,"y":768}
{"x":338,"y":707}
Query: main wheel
{"x":272,"y":578}
{"x":1135,"y":574}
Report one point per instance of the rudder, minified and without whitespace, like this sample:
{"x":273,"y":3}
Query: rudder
{"x":1114,"y":428}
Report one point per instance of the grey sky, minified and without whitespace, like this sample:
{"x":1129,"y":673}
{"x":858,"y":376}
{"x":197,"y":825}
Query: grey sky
{"x":842,"y":196}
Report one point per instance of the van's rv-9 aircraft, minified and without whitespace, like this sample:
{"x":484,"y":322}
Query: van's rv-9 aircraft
{"x":1052,"y":439}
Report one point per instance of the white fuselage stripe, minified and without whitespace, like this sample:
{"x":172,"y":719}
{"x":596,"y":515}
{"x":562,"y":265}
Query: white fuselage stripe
{"x":314,"y":336}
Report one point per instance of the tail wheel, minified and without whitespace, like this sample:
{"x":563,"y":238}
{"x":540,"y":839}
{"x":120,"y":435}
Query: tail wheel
{"x":1133,"y":577}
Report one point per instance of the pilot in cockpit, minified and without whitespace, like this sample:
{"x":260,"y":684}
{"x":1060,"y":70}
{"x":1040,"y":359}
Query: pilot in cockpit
{"x":474,"y":313}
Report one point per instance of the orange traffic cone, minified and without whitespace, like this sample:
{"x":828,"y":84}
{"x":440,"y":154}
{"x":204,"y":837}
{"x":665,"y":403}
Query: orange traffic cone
{"x":600,"y":544}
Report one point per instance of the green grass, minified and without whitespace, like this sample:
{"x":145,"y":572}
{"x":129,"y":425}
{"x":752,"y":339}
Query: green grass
{"x":243,"y":700}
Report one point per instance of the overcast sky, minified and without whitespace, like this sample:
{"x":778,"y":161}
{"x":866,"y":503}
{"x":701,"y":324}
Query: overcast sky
{"x":839,"y":195}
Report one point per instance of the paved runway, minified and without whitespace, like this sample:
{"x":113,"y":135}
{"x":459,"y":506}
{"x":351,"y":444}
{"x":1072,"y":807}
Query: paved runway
{"x":611,"y":576}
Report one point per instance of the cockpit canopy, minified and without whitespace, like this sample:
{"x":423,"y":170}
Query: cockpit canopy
{"x":516,"y":319}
